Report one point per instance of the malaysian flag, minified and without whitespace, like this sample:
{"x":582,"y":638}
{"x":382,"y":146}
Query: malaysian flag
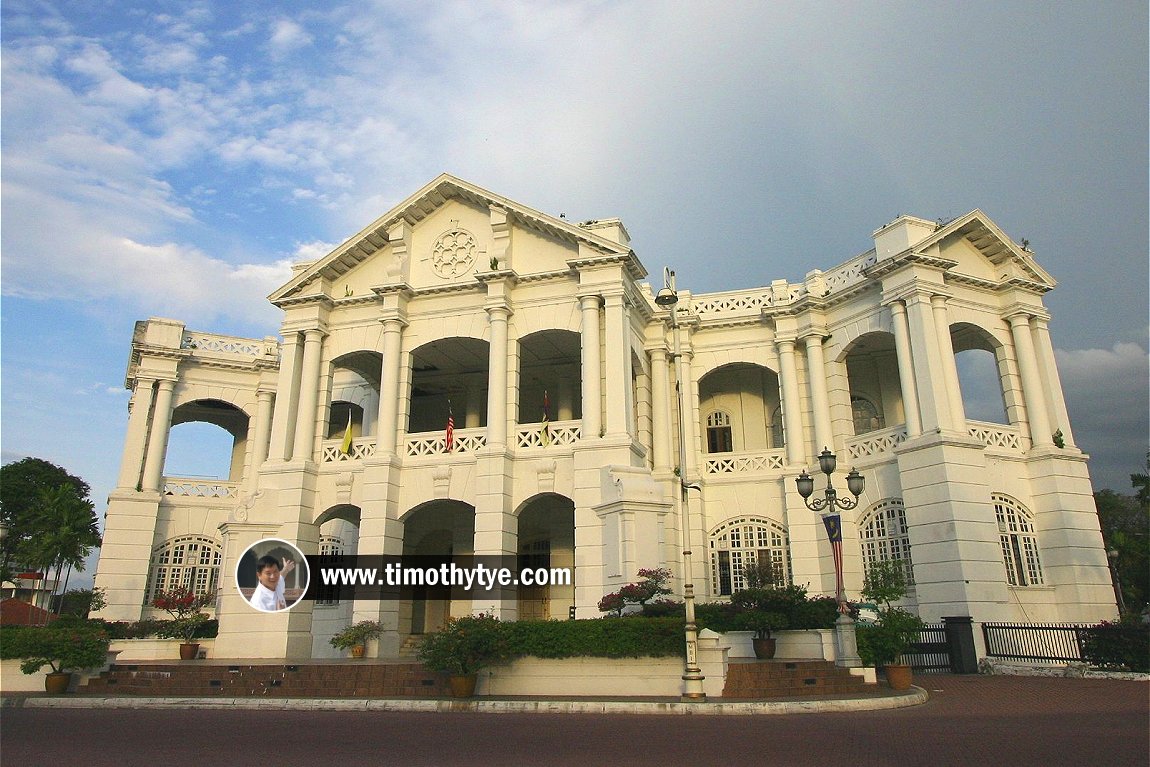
{"x":449,"y":436}
{"x":834,"y":525}
{"x":545,"y":429}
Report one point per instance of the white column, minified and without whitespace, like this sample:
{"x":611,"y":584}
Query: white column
{"x":792,"y":418}
{"x":618,"y":368}
{"x":820,"y":401}
{"x":287,"y":396}
{"x":592,"y":381}
{"x":136,"y":442}
{"x":263,"y":432}
{"x":928,"y":374}
{"x":389,"y":388}
{"x":906,"y":377}
{"x":660,"y":410}
{"x":497,"y":377}
{"x":1056,"y":402}
{"x":1031,"y":380}
{"x":308,"y":396}
{"x":158,"y":440}
{"x":949,"y":368}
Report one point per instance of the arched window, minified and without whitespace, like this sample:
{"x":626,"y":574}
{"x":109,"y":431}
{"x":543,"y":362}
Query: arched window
{"x":744,"y":542}
{"x":777,"y":428}
{"x":329,"y":546}
{"x":884,"y":536}
{"x":866,"y":415}
{"x":719,"y":438}
{"x":191,"y":560}
{"x":1019,"y":542}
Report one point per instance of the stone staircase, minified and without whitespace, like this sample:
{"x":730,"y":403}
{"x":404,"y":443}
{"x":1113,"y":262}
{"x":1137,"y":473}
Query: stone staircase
{"x":791,"y":679}
{"x":369,"y":679}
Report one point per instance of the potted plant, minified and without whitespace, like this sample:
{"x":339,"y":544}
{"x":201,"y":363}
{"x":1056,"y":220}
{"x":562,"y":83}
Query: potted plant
{"x":354,"y":638}
{"x":762,"y":623}
{"x":64,"y":647}
{"x":185,"y":606}
{"x":895,"y":630}
{"x":464,"y":646}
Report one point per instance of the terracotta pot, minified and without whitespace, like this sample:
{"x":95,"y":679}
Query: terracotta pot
{"x":764,"y":648}
{"x":56,"y":682}
{"x":189,"y":650}
{"x":356,"y":650}
{"x":463,"y":686}
{"x":898,"y":676}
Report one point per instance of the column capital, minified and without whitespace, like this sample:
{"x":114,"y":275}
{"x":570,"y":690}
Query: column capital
{"x":815,"y":335}
{"x":586,"y":296}
{"x":657,"y":350}
{"x":394,"y":320}
{"x":1018,"y":317}
{"x":498,"y":311}
{"x":785,"y":341}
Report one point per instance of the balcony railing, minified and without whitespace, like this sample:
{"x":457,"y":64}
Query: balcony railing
{"x":434,"y":443}
{"x":559,"y":434}
{"x":361,"y":448}
{"x":745,"y":463}
{"x":198,"y":488}
{"x":875,"y":443}
{"x":996,"y":435}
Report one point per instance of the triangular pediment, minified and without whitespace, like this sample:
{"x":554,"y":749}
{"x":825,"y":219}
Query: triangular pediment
{"x":984,"y":253}
{"x":445,"y":205}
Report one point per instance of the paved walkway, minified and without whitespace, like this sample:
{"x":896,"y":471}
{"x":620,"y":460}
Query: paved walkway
{"x":974,"y":720}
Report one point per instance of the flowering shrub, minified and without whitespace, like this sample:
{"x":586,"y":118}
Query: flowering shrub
{"x":185,"y":606}
{"x":654,"y":584}
{"x":612,"y":603}
{"x":465,"y":645}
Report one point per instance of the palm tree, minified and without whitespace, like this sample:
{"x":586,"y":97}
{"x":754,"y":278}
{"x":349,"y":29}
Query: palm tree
{"x":64,"y":531}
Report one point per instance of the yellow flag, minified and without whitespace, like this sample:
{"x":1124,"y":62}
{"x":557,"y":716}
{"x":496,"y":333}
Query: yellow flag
{"x":345,"y":448}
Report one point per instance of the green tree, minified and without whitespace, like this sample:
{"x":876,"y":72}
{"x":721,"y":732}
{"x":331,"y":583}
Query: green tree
{"x":1125,"y":523}
{"x":20,"y":485}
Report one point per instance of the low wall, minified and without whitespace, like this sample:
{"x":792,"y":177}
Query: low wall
{"x":131,"y":650}
{"x":809,"y":644}
{"x":12,"y":679}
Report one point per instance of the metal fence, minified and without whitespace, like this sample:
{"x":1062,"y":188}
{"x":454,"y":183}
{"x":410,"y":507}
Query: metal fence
{"x":1045,"y":643}
{"x":931,"y":653}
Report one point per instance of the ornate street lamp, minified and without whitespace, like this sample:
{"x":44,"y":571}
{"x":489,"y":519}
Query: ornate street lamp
{"x":693,"y":677}
{"x":829,"y":506}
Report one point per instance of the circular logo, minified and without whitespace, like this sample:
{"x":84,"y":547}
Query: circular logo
{"x":272,"y":575}
{"x":453,"y":253}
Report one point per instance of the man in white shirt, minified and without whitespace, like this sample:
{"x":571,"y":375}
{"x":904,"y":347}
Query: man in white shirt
{"x":269,"y":594}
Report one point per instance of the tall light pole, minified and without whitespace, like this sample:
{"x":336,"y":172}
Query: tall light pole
{"x":829,"y":506}
{"x":693,"y":677}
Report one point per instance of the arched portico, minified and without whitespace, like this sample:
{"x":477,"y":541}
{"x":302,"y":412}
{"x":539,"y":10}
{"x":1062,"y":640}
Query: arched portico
{"x":436,"y":529}
{"x":546,"y":540}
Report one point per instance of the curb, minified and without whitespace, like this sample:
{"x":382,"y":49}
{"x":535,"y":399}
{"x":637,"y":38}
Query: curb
{"x":916,"y":696}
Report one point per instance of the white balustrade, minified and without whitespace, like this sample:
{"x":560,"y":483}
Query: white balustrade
{"x":745,"y":463}
{"x":435,"y":443}
{"x":211,"y":342}
{"x":875,"y":443}
{"x":198,"y":488}
{"x":560,"y":434}
{"x":850,"y":273}
{"x":361,"y":448}
{"x":995,"y":435}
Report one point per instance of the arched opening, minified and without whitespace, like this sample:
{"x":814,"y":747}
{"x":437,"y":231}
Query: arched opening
{"x":743,"y":396}
{"x":191,"y":561}
{"x":448,"y":375}
{"x":549,"y":377}
{"x":207,"y":441}
{"x":546,"y":541}
{"x":332,"y":608}
{"x":354,"y":403}
{"x":440,"y":529}
{"x":979,"y":359}
{"x":875,"y":385}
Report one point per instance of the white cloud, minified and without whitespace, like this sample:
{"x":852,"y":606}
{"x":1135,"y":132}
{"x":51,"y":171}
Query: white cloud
{"x":287,"y":36}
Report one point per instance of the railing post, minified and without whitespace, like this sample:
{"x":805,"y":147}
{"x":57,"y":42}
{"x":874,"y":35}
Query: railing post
{"x":960,"y":643}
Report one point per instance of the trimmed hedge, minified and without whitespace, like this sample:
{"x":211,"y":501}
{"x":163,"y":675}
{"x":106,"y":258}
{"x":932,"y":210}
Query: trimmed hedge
{"x":1121,"y":645}
{"x":597,"y":638}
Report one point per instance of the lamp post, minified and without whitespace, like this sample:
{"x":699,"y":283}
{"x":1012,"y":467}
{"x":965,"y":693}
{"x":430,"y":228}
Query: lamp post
{"x":829,"y":506}
{"x":693,"y":677}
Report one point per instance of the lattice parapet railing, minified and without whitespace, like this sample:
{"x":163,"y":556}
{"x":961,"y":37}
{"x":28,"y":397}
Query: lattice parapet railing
{"x":560,"y":433}
{"x":745,"y":302}
{"x":995,"y":435}
{"x":875,"y":443}
{"x":210,"y":342}
{"x":849,"y":274}
{"x":198,"y":488}
{"x":744,"y":463}
{"x":360,"y":449}
{"x":435,"y":443}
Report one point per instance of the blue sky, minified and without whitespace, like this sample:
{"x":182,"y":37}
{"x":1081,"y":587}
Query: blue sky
{"x":172,"y":158}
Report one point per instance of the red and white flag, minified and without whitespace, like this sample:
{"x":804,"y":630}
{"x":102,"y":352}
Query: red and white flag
{"x":449,"y":436}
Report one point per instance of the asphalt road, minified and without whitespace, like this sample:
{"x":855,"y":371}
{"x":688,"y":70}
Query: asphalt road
{"x":968,"y":721}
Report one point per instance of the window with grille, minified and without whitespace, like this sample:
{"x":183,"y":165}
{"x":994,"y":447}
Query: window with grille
{"x":884,"y":536}
{"x":719,"y":439}
{"x":744,"y":542}
{"x":1019,"y":542}
{"x":866,"y":415}
{"x":330,"y":550}
{"x":777,"y":428}
{"x":192,"y":561}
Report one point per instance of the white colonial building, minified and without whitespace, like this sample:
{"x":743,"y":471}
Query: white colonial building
{"x":461,"y":295}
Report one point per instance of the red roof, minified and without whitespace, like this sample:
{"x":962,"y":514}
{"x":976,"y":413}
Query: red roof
{"x":17,"y":612}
